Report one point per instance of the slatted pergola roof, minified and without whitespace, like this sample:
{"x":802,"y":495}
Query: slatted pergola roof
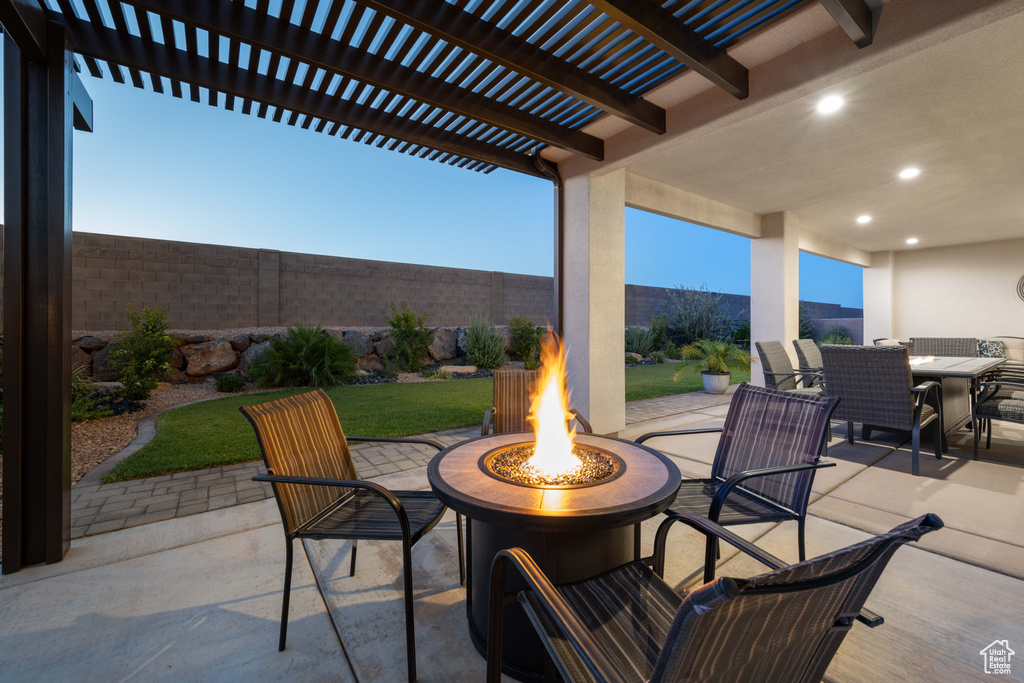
{"x":479,"y":84}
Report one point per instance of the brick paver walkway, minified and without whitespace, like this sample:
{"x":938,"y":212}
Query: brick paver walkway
{"x":98,"y":508}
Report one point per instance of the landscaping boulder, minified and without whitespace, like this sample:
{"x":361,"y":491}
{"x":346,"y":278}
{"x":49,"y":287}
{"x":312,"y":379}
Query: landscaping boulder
{"x":209,"y":357}
{"x":443,"y":345}
{"x":241,"y":342}
{"x":370,"y":363}
{"x":196,"y":339}
{"x":89,"y":343}
{"x":362,"y":344}
{"x":258,"y":338}
{"x":175,"y":376}
{"x":251,"y":355}
{"x":636,"y":356}
{"x":102,"y":369}
{"x":81,"y":359}
{"x":385,"y":347}
{"x":461,"y":334}
{"x":177,"y":361}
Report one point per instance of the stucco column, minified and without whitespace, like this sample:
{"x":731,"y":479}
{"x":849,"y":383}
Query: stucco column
{"x":878,"y":290}
{"x":595,"y":298}
{"x":774,"y":285}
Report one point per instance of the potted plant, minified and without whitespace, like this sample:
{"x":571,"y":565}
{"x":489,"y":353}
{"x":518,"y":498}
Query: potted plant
{"x":716,"y":360}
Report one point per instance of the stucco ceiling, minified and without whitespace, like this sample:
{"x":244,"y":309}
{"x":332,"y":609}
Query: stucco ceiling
{"x":955,"y":110}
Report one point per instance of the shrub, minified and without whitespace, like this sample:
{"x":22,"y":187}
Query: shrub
{"x":85,"y":406}
{"x":141,"y":353}
{"x":658,"y":357}
{"x":485,"y":345}
{"x":659,"y":326}
{"x":230,"y":383}
{"x":836,"y":334}
{"x":411,"y":337}
{"x":711,"y":355}
{"x":525,"y":344}
{"x":673,"y":352}
{"x":806,"y":327}
{"x":80,"y":382}
{"x":631,"y":360}
{"x":740,"y":336}
{"x":639,"y":340}
{"x":697,"y":314}
{"x":308,"y":356}
{"x":439,"y":373}
{"x":391,"y":368}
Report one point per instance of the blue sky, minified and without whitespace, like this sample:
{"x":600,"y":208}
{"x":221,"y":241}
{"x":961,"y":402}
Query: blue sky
{"x":161,"y":167}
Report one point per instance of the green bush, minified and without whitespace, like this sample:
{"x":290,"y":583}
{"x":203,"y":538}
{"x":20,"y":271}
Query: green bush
{"x":439,"y":373}
{"x":740,"y":336}
{"x":672,"y":351}
{"x":85,"y":406}
{"x":391,"y":368}
{"x":697,"y":314}
{"x":411,"y":337}
{"x":525,"y":344}
{"x":485,"y":345}
{"x":806,"y":327}
{"x":308,"y":356}
{"x":836,"y":334}
{"x":141,"y":353}
{"x":639,"y":340}
{"x":658,"y":357}
{"x":631,"y":360}
{"x":659,"y":326}
{"x":230,"y":383}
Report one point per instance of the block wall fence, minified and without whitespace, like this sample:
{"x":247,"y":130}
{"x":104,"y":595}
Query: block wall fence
{"x":205,"y":286}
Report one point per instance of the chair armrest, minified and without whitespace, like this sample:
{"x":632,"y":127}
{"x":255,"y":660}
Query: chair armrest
{"x":990,"y":387}
{"x":709,"y":529}
{"x":678,"y":432}
{"x":732,"y":482}
{"x":387,"y":439}
{"x":574,"y":630}
{"x":485,"y":428}
{"x":582,"y":421}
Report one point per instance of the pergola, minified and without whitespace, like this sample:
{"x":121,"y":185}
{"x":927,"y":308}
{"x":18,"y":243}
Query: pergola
{"x":518,"y":85}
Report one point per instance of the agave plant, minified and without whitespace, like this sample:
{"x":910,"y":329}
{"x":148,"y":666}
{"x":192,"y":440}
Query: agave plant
{"x":707,"y":355}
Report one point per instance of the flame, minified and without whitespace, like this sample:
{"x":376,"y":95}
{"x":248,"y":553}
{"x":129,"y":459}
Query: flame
{"x":549,"y":415}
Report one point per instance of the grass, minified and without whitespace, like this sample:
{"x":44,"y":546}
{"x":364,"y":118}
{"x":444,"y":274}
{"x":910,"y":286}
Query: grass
{"x":214,"y":433}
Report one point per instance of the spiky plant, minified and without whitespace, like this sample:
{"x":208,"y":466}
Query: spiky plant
{"x":308,"y":356}
{"x":485,"y":345}
{"x":709,"y":355}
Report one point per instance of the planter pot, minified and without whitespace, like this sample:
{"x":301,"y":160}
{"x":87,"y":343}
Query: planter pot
{"x":715,"y":382}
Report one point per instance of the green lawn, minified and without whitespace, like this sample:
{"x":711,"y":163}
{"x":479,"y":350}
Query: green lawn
{"x":214,"y":433}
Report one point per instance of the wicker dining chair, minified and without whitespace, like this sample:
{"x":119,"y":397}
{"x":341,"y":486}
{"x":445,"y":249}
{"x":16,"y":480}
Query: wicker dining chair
{"x":999,"y":396}
{"x":512,"y":390}
{"x":319,"y":494}
{"x":809,"y":356}
{"x":959,"y":347}
{"x":765,"y":463}
{"x":876,"y":389}
{"x":628,"y":625}
{"x":778,"y":369}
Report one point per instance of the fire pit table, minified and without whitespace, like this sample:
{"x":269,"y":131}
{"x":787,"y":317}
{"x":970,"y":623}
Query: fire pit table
{"x":573,"y":531}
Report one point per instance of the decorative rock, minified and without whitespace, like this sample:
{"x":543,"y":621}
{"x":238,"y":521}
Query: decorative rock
{"x":460,"y":369}
{"x":176,"y":376}
{"x":177,"y":360}
{"x":370,"y":363}
{"x":362,"y":344}
{"x":241,"y":342}
{"x":102,"y":369}
{"x":443,"y":345}
{"x":461,"y":334}
{"x":81,"y":359}
{"x":385,"y":347}
{"x":89,"y":343}
{"x":258,"y":338}
{"x":251,"y":355}
{"x":637,"y":356}
{"x":209,"y":357}
{"x":196,"y":339}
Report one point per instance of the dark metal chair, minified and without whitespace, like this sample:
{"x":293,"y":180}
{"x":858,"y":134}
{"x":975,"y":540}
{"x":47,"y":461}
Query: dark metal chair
{"x":960,"y":347}
{"x":876,"y":389}
{"x":809,"y":356}
{"x":778,"y":370}
{"x":629,"y":625}
{"x":512,"y":391}
{"x":999,"y":396}
{"x":765,"y":463}
{"x":320,"y":495}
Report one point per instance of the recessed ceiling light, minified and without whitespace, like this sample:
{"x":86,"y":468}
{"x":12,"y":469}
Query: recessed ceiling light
{"x":864,"y":219}
{"x":909,"y":173}
{"x":830,"y":104}
{"x":912,"y":240}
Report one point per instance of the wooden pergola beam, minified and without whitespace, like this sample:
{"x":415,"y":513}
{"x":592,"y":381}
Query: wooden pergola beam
{"x":854,"y":17}
{"x":25,"y":22}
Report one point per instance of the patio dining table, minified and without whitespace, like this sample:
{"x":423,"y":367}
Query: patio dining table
{"x":956,"y":375}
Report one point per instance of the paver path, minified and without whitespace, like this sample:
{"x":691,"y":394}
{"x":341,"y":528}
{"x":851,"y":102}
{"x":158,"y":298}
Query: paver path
{"x":97,"y":508}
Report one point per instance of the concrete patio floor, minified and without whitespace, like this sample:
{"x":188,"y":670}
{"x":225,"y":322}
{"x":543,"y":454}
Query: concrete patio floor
{"x":199,"y":597}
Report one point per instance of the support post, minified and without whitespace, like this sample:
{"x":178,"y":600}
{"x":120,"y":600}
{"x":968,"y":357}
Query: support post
{"x":38,"y":124}
{"x":595,"y":297}
{"x":550,"y":169}
{"x":878,"y":290}
{"x":774,"y":285}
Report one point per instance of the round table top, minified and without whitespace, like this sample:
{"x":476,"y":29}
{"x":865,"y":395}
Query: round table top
{"x":646,"y":487}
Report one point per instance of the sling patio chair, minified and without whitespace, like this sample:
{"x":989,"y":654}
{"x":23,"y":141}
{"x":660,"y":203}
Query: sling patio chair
{"x":628,"y":625}
{"x":778,"y":370}
{"x":764,"y":467}
{"x":512,"y":390}
{"x":876,"y":388}
{"x":1000,"y":397}
{"x":320,"y":495}
{"x":809,"y":355}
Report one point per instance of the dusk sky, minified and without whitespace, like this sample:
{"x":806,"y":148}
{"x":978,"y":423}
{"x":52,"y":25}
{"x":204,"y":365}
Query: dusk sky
{"x":161,"y":167}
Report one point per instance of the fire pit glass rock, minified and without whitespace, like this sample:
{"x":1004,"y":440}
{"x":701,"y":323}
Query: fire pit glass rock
{"x":510,"y":463}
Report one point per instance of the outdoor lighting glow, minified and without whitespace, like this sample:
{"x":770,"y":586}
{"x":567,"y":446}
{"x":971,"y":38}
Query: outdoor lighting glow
{"x":912,"y":240}
{"x":864,"y":219}
{"x":830,"y":104}
{"x":909,"y":173}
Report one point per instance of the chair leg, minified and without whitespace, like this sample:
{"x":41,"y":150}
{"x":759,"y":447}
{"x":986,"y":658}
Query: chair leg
{"x":916,"y":445}
{"x":800,"y":538}
{"x":988,"y":437}
{"x":352,"y":567}
{"x":462,"y":556}
{"x":977,"y":437}
{"x":849,"y":433}
{"x":287,"y":594}
{"x":937,"y":430}
{"x":410,"y":623}
{"x":865,"y":432}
